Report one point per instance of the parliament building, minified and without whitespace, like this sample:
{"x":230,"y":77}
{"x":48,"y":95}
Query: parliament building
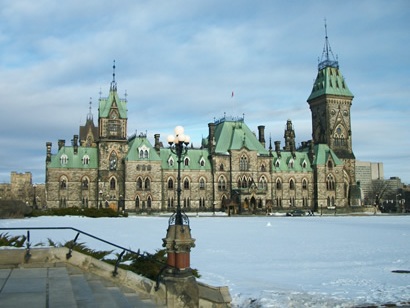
{"x":234,"y":169}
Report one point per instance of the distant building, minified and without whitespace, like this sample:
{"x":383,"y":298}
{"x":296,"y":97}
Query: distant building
{"x":367,"y":173}
{"x":233,"y":170}
{"x":22,"y":188}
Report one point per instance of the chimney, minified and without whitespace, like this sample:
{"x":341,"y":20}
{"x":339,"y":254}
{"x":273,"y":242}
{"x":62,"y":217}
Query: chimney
{"x":277,"y":148}
{"x":157,"y":144}
{"x":261,"y":129}
{"x":48,"y":156}
{"x":75,"y":144}
{"x":211,"y":137}
{"x":61,"y":143}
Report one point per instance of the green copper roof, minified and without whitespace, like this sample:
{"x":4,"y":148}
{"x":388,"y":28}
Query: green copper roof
{"x":322,"y":153}
{"x":107,"y":103}
{"x":198,"y":160}
{"x":329,"y":81}
{"x":287,"y":162}
{"x":65,"y":158}
{"x":235,"y":135}
{"x":140,"y":149}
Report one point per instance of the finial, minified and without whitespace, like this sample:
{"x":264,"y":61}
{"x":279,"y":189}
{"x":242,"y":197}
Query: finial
{"x":113,"y":83}
{"x":325,"y":60}
{"x":90,"y":115}
{"x":126,"y":95}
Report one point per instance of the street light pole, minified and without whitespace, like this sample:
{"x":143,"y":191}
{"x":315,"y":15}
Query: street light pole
{"x":179,"y":146}
{"x":34,"y":197}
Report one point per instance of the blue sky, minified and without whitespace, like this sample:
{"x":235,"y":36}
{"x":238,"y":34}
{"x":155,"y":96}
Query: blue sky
{"x":179,"y":61}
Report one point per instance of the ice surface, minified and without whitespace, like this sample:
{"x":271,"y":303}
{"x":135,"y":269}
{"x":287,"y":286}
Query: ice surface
{"x":328,"y":261}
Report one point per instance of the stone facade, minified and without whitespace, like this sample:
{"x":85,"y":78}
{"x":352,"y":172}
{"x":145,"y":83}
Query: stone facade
{"x":233,"y":170}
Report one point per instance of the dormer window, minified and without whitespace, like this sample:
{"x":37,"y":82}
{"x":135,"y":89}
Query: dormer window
{"x":186,"y":161}
{"x":64,"y":159}
{"x":143,"y":152}
{"x":170,"y":162}
{"x":277,"y":163}
{"x":304,"y":164}
{"x":291,"y":163}
{"x":202,"y":162}
{"x":86,"y":160}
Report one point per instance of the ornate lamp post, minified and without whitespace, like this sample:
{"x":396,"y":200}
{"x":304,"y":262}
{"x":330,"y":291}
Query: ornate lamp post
{"x":179,"y":146}
{"x":181,"y":284}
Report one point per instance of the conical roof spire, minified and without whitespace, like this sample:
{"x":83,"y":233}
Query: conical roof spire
{"x":113,"y":86}
{"x":325,"y":60}
{"x":90,"y":115}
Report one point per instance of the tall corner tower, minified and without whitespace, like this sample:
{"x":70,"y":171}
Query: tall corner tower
{"x":330,"y":103}
{"x":112,"y":145}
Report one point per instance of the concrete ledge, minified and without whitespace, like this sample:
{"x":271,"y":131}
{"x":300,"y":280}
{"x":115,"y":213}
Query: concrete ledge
{"x":209,"y":296}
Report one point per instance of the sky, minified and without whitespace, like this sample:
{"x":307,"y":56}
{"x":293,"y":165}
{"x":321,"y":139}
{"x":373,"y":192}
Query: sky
{"x":178,"y":62}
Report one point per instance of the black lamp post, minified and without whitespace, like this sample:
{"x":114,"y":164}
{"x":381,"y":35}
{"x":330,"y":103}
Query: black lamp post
{"x":100,"y":206}
{"x":179,"y":146}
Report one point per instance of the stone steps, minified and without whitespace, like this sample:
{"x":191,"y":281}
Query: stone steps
{"x":65,"y":286}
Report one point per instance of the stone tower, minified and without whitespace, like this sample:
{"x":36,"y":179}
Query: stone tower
{"x":330,"y":103}
{"x":112,"y":147}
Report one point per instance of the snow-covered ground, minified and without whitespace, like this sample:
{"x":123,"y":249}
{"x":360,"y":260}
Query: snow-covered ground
{"x":327,"y":261}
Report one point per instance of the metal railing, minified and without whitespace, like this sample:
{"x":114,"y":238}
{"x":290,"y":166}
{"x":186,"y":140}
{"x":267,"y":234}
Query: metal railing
{"x":72,"y":244}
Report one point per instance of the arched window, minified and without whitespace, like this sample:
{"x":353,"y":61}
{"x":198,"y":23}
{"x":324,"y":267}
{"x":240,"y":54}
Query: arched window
{"x":330,"y":164}
{"x":64,"y":159}
{"x":137,"y":202}
{"x":304,"y":184}
{"x":84,"y":184}
{"x":86,"y":160}
{"x":147,"y":184}
{"x":170,"y":184}
{"x":186,"y":161}
{"x":170,"y":162}
{"x":201,"y":183}
{"x":112,"y":184}
{"x":277,"y":163}
{"x":221,"y":167}
{"x":149,"y":202}
{"x":139,"y":183}
{"x":291,"y":163}
{"x":291,"y":184}
{"x":202,"y":162}
{"x":243,"y":163}
{"x":221,"y":183}
{"x":278,"y":184}
{"x":63,"y":183}
{"x":330,"y":182}
{"x":263,"y":168}
{"x":263,"y":183}
{"x":186,"y":183}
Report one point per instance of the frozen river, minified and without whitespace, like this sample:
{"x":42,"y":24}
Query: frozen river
{"x":273,"y":261}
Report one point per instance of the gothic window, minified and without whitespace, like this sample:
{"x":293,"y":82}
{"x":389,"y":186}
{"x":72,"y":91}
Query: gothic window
{"x":139,"y":183}
{"x":84,"y":184}
{"x":86,"y":160}
{"x":243,"y":163}
{"x":277,"y":163}
{"x":147,"y":184}
{"x":170,"y":162}
{"x":330,"y":164}
{"x":291,"y":184}
{"x":291,"y":163}
{"x":304,"y":164}
{"x":63,"y":183}
{"x":202,"y":162}
{"x":278,"y":184}
{"x":263,"y":168}
{"x":170,"y":184}
{"x":304,"y":184}
{"x":113,"y":184}
{"x":113,"y":161}
{"x":149,"y":202}
{"x":170,"y":202}
{"x":339,"y":138}
{"x":244,"y":183}
{"x":137,"y":202}
{"x":263,"y":183}
{"x":221,"y":183}
{"x":330,"y":182}
{"x":201,"y":183}
{"x":186,"y":184}
{"x":221,"y":167}
{"x":239,"y":183}
{"x":186,"y":161}
{"x":64,"y":159}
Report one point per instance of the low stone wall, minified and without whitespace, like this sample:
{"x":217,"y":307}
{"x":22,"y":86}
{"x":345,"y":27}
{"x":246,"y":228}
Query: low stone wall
{"x":209,"y":296}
